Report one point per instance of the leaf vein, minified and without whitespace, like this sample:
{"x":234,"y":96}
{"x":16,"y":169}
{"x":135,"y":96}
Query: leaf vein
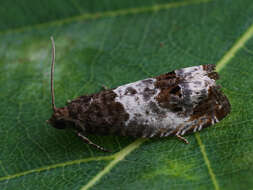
{"x":228,"y":56}
{"x":114,"y":13}
{"x":117,"y":158}
{"x":53,"y":166}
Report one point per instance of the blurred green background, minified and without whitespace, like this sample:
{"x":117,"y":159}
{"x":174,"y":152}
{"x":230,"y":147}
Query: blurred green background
{"x":112,"y":42}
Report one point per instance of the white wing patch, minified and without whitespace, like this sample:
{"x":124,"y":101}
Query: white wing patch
{"x":144,"y":110}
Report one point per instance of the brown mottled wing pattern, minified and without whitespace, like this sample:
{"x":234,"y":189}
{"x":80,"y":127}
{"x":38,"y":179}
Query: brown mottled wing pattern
{"x":211,"y":105}
{"x":98,"y":113}
{"x":177,"y":102}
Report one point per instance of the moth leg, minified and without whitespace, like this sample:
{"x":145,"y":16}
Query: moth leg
{"x":86,"y":140}
{"x":182,"y":138}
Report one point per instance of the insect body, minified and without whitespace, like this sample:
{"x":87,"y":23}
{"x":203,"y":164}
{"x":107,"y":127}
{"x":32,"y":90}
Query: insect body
{"x":175,"y":103}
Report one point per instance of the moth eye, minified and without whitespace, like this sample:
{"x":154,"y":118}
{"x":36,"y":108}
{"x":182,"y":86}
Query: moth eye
{"x":60,"y":124}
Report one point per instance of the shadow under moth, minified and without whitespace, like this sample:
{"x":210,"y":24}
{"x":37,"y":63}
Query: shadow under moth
{"x":178,"y":102}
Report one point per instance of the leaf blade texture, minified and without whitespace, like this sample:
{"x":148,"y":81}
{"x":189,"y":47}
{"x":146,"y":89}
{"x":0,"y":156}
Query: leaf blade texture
{"x":100,"y":43}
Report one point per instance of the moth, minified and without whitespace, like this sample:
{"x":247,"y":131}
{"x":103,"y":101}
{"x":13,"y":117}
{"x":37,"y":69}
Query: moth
{"x":172,"y":104}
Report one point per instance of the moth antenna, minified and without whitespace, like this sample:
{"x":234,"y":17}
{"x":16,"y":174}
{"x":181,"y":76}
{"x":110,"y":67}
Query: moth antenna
{"x":52,"y":74}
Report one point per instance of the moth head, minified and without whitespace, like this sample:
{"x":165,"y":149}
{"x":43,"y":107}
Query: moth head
{"x":60,"y":118}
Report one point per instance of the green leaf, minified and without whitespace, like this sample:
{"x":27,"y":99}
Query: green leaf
{"x":114,"y":43}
